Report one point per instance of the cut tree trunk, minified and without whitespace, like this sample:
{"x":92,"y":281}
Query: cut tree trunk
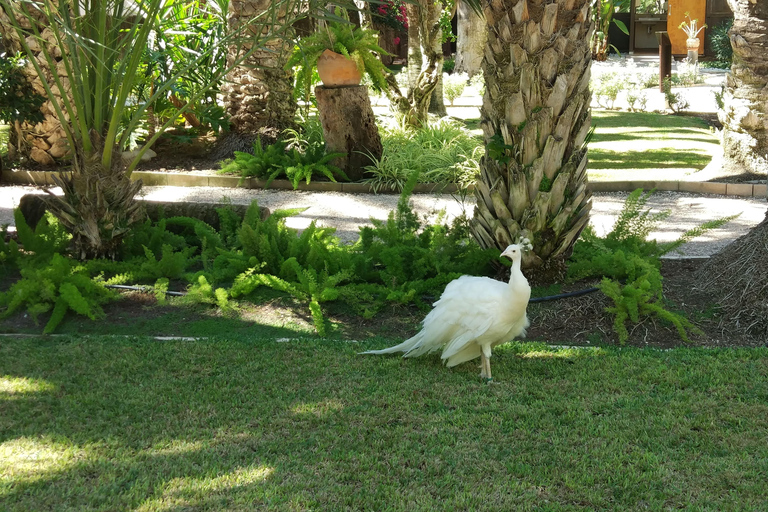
{"x":349,"y":127}
{"x":535,"y":119}
{"x":470,"y":40}
{"x":745,"y":98}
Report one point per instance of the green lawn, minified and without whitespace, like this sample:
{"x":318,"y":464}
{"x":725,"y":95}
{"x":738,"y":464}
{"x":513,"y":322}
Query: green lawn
{"x":238,"y":423}
{"x":638,"y":140}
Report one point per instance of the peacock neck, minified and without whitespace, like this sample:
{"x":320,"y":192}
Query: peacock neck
{"x":515,"y":275}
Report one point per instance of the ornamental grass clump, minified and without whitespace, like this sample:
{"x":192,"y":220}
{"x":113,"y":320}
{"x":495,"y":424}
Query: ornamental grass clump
{"x":441,"y":152}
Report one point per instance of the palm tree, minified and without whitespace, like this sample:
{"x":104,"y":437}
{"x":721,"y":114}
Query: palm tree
{"x":745,"y":134}
{"x":536,"y":121}
{"x":258,"y":93}
{"x":96,"y":50}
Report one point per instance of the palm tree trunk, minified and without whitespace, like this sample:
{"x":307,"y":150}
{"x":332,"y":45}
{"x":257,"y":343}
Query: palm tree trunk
{"x":258,"y":94}
{"x":45,"y":142}
{"x":535,"y":119}
{"x":470,"y":40}
{"x":745,"y":112}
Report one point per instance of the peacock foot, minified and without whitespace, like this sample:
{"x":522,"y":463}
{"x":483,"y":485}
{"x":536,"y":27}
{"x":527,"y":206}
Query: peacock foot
{"x":488,"y":380}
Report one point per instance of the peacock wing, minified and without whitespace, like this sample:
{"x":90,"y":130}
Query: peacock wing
{"x":471,"y":307}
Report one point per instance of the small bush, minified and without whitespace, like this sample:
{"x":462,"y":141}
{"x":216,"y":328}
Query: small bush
{"x":299,"y":155}
{"x":454,"y":85}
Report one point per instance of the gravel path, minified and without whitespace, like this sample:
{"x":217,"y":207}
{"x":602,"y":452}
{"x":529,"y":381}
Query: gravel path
{"x":346,"y":212}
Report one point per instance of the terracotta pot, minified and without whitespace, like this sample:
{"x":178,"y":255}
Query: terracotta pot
{"x":336,"y":70}
{"x":692,"y":43}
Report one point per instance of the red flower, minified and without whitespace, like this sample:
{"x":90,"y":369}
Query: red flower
{"x":396,"y":40}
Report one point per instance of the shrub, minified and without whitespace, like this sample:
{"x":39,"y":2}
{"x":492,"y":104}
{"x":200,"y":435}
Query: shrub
{"x":299,"y":156}
{"x":606,"y":88}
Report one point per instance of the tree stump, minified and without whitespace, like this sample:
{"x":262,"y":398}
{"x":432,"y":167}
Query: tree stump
{"x":349,"y":127}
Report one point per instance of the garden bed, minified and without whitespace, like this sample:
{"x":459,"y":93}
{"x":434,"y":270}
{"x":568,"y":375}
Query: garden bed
{"x":571,"y":321}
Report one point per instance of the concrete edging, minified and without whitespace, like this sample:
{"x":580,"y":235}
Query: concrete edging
{"x":153,"y":178}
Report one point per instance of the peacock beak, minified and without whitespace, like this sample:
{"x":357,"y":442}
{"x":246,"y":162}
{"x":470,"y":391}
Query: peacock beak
{"x":508,"y":252}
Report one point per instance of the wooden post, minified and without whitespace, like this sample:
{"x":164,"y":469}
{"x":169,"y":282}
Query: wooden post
{"x":349,"y":126}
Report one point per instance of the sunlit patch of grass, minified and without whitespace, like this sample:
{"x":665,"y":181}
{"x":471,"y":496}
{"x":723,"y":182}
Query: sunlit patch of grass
{"x":184,"y":493}
{"x":26,"y":460}
{"x":18,"y":387}
{"x":639,"y":140}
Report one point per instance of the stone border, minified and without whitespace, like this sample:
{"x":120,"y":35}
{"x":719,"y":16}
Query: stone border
{"x":153,"y":178}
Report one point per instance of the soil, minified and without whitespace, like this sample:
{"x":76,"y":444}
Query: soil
{"x":579,"y":321}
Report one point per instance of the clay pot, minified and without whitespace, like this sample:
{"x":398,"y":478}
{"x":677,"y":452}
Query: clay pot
{"x":692,"y":43}
{"x":336,"y":70}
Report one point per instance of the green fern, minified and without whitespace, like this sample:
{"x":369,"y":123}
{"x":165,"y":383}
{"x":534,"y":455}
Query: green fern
{"x":59,"y":285}
{"x":626,"y":255}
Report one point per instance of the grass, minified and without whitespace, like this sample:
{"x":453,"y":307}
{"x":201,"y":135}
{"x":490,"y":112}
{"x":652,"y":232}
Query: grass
{"x":238,"y":422}
{"x":631,"y":145}
{"x":639,"y":140}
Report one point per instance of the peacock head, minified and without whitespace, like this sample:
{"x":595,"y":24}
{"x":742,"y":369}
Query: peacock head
{"x":515,"y":251}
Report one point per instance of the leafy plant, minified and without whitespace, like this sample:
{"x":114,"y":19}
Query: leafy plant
{"x":675,"y":100}
{"x":298,"y":155}
{"x":602,"y":14}
{"x":102,"y":47}
{"x":607,"y":86}
{"x":19,"y":102}
{"x":691,"y":27}
{"x":188,"y":28}
{"x":630,"y":266}
{"x":720,"y":43}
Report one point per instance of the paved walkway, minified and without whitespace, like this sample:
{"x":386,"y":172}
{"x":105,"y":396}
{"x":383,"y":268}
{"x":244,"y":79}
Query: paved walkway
{"x":346,"y":212}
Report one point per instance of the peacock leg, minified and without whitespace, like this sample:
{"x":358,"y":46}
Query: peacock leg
{"x":486,"y":357}
{"x":483,"y":365}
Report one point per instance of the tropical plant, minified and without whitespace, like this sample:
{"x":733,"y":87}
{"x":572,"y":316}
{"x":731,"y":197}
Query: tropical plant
{"x":454,"y":85}
{"x":602,"y":13}
{"x":536,"y":122}
{"x":629,"y":264}
{"x":299,"y":155}
{"x":441,"y":152}
{"x":691,"y":27}
{"x":357,"y":43}
{"x":188,"y":27}
{"x":102,"y":45}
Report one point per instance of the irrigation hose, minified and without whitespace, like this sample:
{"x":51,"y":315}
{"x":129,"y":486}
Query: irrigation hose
{"x":149,"y":289}
{"x":143,"y":289}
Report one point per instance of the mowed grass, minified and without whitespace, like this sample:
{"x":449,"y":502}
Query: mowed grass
{"x":639,"y":140}
{"x":236,"y":423}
